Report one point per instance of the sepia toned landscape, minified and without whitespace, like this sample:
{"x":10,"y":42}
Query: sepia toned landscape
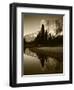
{"x":42,"y":44}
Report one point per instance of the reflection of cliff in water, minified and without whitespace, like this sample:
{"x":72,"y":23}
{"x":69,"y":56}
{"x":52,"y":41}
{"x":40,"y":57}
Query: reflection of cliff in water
{"x":45,"y":60}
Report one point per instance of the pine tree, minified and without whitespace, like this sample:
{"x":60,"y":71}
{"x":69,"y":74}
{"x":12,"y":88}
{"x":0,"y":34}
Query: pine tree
{"x":46,"y":35}
{"x":42,"y":32}
{"x":42,"y":36}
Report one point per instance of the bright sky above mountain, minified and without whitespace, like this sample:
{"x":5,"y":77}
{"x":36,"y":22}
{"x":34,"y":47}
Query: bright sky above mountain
{"x":33,"y":22}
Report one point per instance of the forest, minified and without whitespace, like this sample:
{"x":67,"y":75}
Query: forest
{"x":44,"y":39}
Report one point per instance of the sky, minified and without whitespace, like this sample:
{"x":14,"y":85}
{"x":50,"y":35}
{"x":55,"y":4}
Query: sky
{"x":32,"y":22}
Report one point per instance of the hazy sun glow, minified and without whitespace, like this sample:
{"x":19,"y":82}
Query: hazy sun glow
{"x":52,"y":32}
{"x":43,"y":22}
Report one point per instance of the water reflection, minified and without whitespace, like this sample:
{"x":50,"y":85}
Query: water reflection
{"x":48,"y":64}
{"x":41,"y":57}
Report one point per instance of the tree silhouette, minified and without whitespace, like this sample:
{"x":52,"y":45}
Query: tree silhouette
{"x":45,"y":39}
{"x":42,"y":32}
{"x":46,"y":35}
{"x":41,"y":35}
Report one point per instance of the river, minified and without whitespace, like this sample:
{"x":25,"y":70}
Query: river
{"x":37,"y":63}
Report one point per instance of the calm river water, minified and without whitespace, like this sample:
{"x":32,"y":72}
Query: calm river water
{"x":36,"y":63}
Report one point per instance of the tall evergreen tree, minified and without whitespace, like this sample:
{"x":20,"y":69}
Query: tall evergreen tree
{"x":42,"y":32}
{"x":46,"y":35}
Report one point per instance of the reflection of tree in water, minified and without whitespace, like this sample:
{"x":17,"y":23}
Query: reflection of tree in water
{"x":49,"y":63}
{"x":42,"y":59}
{"x":53,"y":65}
